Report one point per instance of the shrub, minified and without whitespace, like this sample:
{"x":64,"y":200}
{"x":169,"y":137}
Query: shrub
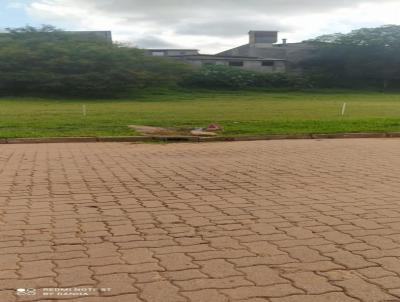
{"x":49,"y":61}
{"x":223,"y":77}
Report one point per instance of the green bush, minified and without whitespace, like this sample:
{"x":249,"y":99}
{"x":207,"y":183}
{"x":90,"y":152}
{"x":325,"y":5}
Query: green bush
{"x":48,"y":61}
{"x":362,"y":59}
{"x":223,"y":77}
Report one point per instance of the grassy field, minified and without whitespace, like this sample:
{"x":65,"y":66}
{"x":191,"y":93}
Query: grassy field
{"x":240,"y":113}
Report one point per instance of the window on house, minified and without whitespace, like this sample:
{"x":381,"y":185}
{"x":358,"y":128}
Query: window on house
{"x":158,"y":53}
{"x":236,"y":63}
{"x":267,"y":63}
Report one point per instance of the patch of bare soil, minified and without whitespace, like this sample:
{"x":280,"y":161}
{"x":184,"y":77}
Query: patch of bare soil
{"x":149,"y":130}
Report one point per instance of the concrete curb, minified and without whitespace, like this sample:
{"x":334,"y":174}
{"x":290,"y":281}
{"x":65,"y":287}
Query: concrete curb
{"x":193,"y":138}
{"x":50,"y":140}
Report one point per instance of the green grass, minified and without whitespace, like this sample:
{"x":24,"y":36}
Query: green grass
{"x":240,"y":113}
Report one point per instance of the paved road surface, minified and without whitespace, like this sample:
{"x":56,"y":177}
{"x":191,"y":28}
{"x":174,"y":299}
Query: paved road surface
{"x":278,"y":221}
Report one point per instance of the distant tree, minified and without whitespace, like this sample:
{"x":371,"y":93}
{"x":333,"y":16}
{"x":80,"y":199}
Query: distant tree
{"x":30,"y":29}
{"x":387,"y":35}
{"x":364,"y":57}
{"x":47,"y":60}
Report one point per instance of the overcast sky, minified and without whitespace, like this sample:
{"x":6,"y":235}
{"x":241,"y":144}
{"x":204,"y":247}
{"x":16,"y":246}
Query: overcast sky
{"x":208,"y":25}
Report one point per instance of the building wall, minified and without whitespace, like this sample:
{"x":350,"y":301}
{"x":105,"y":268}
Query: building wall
{"x":172,"y":52}
{"x":278,"y":66}
{"x":263,"y":37}
{"x":253,"y":65}
{"x":87,"y":36}
{"x":293,"y":53}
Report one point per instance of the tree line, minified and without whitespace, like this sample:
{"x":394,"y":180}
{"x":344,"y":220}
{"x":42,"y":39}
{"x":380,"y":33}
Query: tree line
{"x":363,"y":58}
{"x":47,"y":61}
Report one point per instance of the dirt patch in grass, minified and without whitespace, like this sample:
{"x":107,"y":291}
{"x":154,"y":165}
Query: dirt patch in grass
{"x":150,"y":130}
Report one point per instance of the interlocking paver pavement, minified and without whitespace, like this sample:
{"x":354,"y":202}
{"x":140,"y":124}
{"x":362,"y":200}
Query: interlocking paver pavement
{"x":276,"y":221}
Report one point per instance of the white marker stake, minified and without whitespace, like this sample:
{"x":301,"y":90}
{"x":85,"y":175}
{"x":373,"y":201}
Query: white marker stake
{"x":343,"y":109}
{"x":84,"y":110}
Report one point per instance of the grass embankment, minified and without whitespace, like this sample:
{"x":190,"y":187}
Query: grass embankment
{"x":240,"y":113}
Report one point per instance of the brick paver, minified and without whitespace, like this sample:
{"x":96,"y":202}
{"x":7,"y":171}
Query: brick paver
{"x":276,"y":221}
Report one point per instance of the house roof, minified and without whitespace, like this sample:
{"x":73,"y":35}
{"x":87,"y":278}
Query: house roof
{"x":92,"y":35}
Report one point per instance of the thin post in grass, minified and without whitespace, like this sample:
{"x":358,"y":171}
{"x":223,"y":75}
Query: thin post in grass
{"x":84,"y":110}
{"x":344,"y":108}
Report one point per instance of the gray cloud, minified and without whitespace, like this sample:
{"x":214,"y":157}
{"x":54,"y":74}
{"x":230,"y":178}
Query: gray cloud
{"x":154,"y":42}
{"x":190,"y":16}
{"x":169,"y":9}
{"x":223,"y":23}
{"x":230,"y":28}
